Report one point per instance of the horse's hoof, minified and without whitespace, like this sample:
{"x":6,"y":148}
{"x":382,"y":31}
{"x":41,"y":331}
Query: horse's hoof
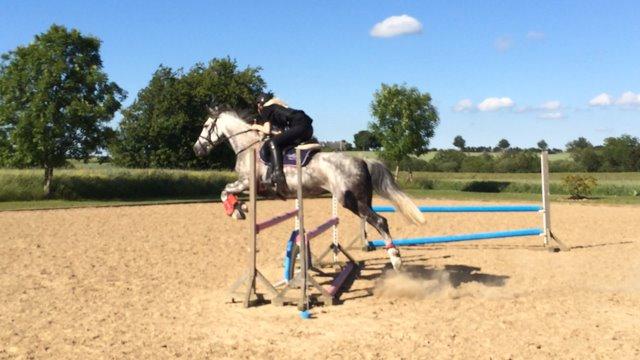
{"x":238,"y":215}
{"x":394,"y":257}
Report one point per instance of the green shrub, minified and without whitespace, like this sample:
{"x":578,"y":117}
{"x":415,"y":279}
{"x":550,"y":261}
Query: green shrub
{"x":578,"y":186}
{"x":448,"y":160}
{"x":478,"y":164}
{"x":564,"y":166}
{"x":414,"y":164}
{"x":518,"y":162}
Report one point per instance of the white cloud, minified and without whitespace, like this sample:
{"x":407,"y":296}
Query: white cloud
{"x":536,"y":35}
{"x":396,"y":26}
{"x":629,"y":98}
{"x":524,"y":109}
{"x":503,"y":43}
{"x":495,"y":104}
{"x":551,"y":105}
{"x":603,"y":99}
{"x":555,"y":115}
{"x":463,"y":105}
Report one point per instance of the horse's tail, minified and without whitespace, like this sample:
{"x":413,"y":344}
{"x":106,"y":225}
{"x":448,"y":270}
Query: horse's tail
{"x":385,"y":186}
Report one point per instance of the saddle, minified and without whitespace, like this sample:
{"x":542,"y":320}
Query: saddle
{"x":307,"y":150}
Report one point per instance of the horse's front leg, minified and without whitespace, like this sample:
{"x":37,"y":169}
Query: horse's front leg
{"x":229,"y":196}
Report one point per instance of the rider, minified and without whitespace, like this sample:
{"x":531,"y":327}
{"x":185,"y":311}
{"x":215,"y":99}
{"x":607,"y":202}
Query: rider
{"x":295,"y":128}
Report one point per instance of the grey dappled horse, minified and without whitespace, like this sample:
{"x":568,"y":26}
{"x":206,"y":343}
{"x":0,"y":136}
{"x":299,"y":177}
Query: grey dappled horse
{"x":351,"y":180}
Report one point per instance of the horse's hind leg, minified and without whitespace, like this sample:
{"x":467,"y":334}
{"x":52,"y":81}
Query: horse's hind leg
{"x":362,"y":208}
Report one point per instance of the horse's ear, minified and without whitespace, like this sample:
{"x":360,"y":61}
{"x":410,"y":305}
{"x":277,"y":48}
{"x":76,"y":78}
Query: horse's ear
{"x":211,"y":111}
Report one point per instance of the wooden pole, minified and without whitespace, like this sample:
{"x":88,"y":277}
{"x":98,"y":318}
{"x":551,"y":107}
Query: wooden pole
{"x":304,"y":244}
{"x":546,"y":208}
{"x":334,"y":215}
{"x":252,"y":230}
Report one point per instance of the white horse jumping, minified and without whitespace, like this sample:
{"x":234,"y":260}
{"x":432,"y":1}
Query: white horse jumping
{"x":351,"y":180}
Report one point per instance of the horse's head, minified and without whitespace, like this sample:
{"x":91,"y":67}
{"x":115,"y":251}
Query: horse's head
{"x":210,"y":136}
{"x":224,"y":123}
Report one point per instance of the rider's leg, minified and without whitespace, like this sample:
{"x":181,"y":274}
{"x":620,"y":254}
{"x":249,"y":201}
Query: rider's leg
{"x":277,"y":174}
{"x":265,"y":154}
{"x":291,"y":137}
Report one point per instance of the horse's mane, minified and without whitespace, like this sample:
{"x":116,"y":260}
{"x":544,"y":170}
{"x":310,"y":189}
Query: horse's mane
{"x":245,"y":114}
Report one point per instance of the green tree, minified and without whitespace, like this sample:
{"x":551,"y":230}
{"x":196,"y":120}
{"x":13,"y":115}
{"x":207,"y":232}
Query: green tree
{"x":5,"y":147}
{"x":459,"y":142}
{"x":517,"y":162}
{"x":579,"y":143}
{"x":55,"y":101}
{"x":503,"y":144}
{"x":482,"y":163}
{"x":405,"y":121}
{"x":621,"y":153}
{"x":584,"y":154}
{"x":160,"y":127}
{"x":542,"y":145}
{"x":345,"y":145}
{"x":365,"y":141}
{"x":448,"y":160}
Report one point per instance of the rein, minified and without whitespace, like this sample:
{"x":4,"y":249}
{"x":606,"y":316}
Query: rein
{"x":222,"y":138}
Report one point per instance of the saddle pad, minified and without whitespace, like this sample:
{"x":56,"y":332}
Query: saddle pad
{"x":289,"y":158}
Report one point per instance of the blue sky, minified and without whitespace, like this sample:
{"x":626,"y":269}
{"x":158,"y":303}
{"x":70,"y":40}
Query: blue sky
{"x":525,"y":71}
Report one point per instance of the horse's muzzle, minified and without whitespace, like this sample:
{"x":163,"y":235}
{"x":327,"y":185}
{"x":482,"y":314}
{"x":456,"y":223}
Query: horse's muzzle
{"x":199,"y":150}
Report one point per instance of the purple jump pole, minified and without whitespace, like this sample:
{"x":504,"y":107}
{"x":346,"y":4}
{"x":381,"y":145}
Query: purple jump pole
{"x":276,"y":220}
{"x":339,"y":280}
{"x":322,"y":228}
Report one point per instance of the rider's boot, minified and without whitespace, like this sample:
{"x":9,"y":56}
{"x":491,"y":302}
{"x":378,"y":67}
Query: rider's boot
{"x":277,"y":175}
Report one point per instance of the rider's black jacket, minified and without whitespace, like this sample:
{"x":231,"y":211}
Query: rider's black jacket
{"x":284,"y":118}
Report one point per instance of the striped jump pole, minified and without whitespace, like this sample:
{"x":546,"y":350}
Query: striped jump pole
{"x":465,"y":209}
{"x":543,"y":209}
{"x":462,"y":237}
{"x":276,"y":220}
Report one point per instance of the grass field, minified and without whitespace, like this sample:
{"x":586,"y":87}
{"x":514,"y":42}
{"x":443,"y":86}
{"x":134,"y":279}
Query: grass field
{"x":105,"y":182}
{"x":94,"y":184}
{"x":428,"y":156}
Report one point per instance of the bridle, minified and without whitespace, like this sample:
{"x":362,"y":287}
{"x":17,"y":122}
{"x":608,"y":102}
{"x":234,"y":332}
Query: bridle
{"x":222,"y":137}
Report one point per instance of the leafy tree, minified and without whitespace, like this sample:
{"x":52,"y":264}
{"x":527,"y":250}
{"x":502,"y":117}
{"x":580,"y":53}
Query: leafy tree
{"x":503,"y":144}
{"x":405,"y":121}
{"x":55,"y":101}
{"x":579,"y":143}
{"x":5,"y":147}
{"x":588,"y":158}
{"x":459,"y":142}
{"x":517,"y":162}
{"x":584,"y":154}
{"x":345,"y":145}
{"x":365,"y":141}
{"x":448,"y":160}
{"x":621,"y":153}
{"x":542,"y":145}
{"x":160,"y":127}
{"x":482,"y":163}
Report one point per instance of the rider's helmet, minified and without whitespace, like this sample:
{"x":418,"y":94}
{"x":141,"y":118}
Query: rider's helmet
{"x":262,"y":98}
